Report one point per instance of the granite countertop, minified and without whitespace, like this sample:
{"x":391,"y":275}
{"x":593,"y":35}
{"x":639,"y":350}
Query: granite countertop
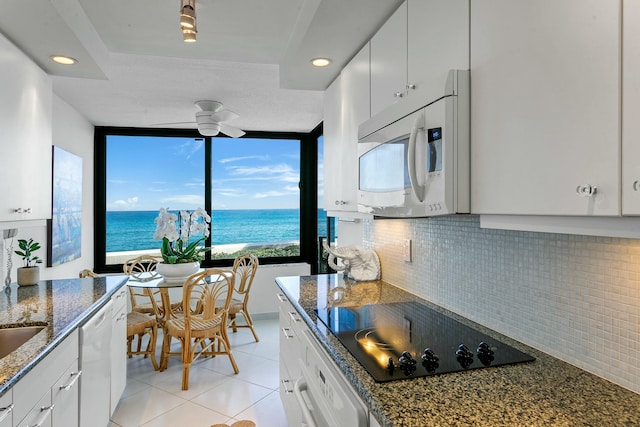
{"x":545,"y":392}
{"x":60,"y":306}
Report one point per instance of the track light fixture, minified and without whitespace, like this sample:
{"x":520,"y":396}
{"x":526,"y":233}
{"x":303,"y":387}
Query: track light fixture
{"x":188,"y":20}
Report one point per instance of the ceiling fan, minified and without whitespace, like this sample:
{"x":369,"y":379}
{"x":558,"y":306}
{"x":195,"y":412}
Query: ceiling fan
{"x":210,"y":119}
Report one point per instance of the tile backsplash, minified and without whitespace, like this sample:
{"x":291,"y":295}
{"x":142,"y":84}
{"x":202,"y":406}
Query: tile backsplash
{"x":574,"y":297}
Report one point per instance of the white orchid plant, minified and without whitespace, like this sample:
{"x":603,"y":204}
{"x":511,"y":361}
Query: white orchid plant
{"x":176,"y":231}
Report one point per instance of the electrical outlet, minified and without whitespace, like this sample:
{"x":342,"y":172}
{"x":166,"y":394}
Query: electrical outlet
{"x":406,"y":253}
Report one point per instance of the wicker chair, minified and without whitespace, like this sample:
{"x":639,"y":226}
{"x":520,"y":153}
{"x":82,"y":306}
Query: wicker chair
{"x":201,"y":329}
{"x":87,"y":273}
{"x":139,"y":325}
{"x":141,"y":297}
{"x":244,"y":268}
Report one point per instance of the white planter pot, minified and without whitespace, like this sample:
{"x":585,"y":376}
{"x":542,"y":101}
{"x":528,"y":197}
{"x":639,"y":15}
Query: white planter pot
{"x":28,"y":276}
{"x":177,"y":272}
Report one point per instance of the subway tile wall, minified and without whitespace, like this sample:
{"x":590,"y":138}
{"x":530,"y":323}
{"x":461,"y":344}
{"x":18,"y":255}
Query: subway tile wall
{"x":574,"y":297}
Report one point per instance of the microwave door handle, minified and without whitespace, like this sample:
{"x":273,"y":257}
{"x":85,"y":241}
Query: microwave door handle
{"x":418,"y":190}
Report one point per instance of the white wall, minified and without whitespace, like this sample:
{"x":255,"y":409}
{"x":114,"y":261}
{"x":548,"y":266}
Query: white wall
{"x":73,"y":133}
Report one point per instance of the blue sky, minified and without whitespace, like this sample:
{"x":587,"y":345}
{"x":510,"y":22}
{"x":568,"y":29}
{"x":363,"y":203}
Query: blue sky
{"x":146,"y":173}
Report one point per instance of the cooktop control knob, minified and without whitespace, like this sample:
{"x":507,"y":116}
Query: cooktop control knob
{"x":390,"y":366}
{"x":485,"y":353}
{"x":407,"y":363}
{"x":464,"y":356}
{"x":430,"y":360}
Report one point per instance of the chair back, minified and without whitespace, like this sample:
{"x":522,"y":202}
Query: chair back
{"x":141,"y":264}
{"x":244,"y":268}
{"x":142,"y":299}
{"x":200,"y":293}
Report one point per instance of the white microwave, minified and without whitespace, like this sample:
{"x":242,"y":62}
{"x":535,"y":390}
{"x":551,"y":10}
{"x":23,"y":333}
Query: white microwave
{"x":413,"y":157}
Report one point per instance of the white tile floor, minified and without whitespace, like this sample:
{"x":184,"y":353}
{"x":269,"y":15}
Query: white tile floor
{"x":215,"y":395}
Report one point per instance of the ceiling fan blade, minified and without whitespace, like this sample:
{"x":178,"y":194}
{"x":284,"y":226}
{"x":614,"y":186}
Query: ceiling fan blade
{"x":172,"y":123}
{"x":231,"y":131}
{"x":224,"y":115}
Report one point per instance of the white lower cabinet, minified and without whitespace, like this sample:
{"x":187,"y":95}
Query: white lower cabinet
{"x":41,"y":413}
{"x":47,"y":396}
{"x":313,"y":390}
{"x":118,"y":347}
{"x":290,"y":352}
{"x":6,"y":409}
{"x":66,"y":397}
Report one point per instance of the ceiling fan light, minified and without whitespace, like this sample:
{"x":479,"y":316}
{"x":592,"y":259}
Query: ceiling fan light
{"x":209,"y":128}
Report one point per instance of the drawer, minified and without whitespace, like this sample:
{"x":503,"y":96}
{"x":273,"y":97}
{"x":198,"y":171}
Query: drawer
{"x":39,"y":380}
{"x":40,"y":413}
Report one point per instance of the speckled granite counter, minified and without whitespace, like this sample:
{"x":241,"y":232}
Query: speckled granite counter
{"x":61,"y":305}
{"x":546,"y":392}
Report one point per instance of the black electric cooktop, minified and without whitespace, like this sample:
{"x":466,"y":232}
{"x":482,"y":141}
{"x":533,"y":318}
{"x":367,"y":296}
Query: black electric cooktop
{"x":408,"y":339}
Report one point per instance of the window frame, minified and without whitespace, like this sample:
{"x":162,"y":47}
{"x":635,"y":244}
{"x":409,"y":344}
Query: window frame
{"x":308,"y":190}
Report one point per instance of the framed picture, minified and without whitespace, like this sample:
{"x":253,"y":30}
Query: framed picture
{"x":65,"y":225}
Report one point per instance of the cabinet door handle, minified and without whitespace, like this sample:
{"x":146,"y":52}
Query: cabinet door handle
{"x":45,"y":412}
{"x":4,"y":412}
{"x":586,"y":190}
{"x":340,"y":202}
{"x":294,"y":316}
{"x":285,"y":331}
{"x":121,"y":317}
{"x":398,"y":95}
{"x":281,"y":297}
{"x":286,"y":389}
{"x":636,"y":185}
{"x":74,"y":379}
{"x":411,"y":86}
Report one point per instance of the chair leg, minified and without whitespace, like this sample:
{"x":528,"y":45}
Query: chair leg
{"x":187,"y":358}
{"x":129,"y":344}
{"x":151,"y":347}
{"x":140,"y":343}
{"x":225,"y":341}
{"x":232,"y":324}
{"x":247,"y":316}
{"x":166,"y":346}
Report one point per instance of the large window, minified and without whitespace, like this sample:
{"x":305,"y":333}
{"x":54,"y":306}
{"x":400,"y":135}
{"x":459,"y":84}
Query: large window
{"x":257,"y":189}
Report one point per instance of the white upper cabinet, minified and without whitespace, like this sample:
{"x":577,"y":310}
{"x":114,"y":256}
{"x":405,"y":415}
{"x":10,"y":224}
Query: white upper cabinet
{"x":416,"y":48}
{"x":346,"y":105}
{"x":389,"y":61}
{"x":631,"y":108}
{"x":25,"y":137}
{"x":438,"y":41}
{"x":545,"y":107}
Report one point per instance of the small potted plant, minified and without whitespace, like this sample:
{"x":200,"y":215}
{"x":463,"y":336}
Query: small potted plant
{"x":30,"y":273}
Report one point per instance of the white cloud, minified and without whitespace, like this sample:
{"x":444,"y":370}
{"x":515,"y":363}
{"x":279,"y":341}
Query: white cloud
{"x":183,"y":201}
{"x":122,"y":204}
{"x":239,"y":159}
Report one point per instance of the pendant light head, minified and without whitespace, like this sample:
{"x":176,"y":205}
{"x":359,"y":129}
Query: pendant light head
{"x":188,"y":20}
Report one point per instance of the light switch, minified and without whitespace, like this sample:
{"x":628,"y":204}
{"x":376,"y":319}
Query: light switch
{"x":407,"y":250}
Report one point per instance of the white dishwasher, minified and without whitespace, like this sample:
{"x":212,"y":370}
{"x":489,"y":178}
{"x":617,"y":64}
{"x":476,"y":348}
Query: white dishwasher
{"x":95,"y":362}
{"x":324,"y":396}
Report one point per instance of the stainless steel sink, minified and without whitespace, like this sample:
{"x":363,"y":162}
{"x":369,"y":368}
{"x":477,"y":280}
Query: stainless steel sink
{"x":13,"y":337}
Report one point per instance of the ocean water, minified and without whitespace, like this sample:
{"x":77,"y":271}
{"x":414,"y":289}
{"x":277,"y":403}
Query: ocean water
{"x":133,"y":230}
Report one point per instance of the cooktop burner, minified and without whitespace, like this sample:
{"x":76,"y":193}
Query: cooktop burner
{"x":402,"y":340}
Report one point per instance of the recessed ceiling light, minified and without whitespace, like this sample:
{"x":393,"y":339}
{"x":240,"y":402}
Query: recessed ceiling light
{"x":320,"y":62}
{"x":63,"y":59}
